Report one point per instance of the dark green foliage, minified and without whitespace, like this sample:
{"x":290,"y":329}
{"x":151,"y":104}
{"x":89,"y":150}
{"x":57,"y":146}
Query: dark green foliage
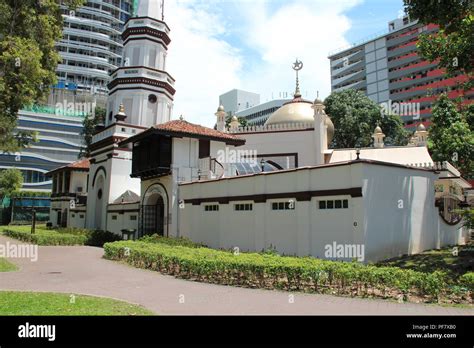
{"x":99,"y":238}
{"x":451,"y":138}
{"x":355,"y":117}
{"x":29,"y":30}
{"x":11,"y":180}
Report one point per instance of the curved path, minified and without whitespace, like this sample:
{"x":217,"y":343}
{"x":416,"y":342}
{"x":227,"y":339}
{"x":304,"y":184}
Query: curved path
{"x":81,"y":270}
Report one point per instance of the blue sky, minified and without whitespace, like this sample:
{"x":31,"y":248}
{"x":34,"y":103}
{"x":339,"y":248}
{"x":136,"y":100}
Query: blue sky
{"x":218,"y":45}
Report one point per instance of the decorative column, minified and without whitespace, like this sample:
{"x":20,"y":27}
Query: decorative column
{"x":421,"y":135}
{"x":378,"y":137}
{"x":320,"y":130}
{"x":221,"y":114}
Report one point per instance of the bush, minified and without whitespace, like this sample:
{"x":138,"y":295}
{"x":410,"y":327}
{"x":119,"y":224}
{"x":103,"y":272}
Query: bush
{"x":44,"y":237}
{"x":276,"y":272}
{"x":181,"y":241}
{"x":61,"y":236}
{"x":467,"y":280}
{"x":99,"y":238}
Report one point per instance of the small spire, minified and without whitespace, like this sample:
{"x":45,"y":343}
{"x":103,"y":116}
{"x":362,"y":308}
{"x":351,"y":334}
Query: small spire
{"x":297,"y":66}
{"x":317,"y":100}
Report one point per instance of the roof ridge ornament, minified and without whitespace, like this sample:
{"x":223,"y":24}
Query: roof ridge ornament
{"x":297,"y":66}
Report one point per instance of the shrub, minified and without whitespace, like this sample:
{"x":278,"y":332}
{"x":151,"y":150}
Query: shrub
{"x":181,"y":241}
{"x":61,"y":236}
{"x":99,"y":238}
{"x":265,"y":270}
{"x":44,"y":237}
{"x":467,"y":280}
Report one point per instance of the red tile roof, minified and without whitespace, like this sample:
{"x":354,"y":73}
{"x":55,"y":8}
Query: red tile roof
{"x":181,"y":128}
{"x":81,"y":165}
{"x":186,"y":128}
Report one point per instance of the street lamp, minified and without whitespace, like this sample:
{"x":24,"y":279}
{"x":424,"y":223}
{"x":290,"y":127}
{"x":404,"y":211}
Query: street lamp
{"x":357,"y":152}
{"x":262,"y":164}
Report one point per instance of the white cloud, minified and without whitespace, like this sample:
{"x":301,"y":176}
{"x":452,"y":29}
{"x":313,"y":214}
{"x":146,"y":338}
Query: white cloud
{"x":308,"y":30}
{"x":202,"y":64}
{"x":205,"y":65}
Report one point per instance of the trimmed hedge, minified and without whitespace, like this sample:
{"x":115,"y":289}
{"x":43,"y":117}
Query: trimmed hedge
{"x":61,"y":236}
{"x":278,"y":272}
{"x":45,"y":237}
{"x":180,"y":241}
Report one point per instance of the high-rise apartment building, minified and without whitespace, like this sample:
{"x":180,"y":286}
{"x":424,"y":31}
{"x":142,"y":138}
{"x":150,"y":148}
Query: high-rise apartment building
{"x":388,"y":69}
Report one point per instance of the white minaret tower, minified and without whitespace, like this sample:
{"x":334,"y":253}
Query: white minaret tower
{"x":142,"y":84}
{"x":320,"y":130}
{"x":140,"y":94}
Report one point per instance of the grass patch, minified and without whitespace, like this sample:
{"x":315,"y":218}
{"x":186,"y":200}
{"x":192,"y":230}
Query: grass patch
{"x":61,"y":236}
{"x":6,"y":266}
{"x":38,"y":303}
{"x":270,"y":271}
{"x":437,"y":260}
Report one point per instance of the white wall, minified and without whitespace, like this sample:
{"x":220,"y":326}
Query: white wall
{"x":78,"y":179}
{"x":301,"y":142}
{"x":77,"y":218}
{"x":373,"y":220}
{"x":301,"y":231}
{"x":120,"y":217}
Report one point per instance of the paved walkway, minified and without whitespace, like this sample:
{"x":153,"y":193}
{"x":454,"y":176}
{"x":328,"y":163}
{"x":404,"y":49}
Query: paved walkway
{"x":81,"y":270}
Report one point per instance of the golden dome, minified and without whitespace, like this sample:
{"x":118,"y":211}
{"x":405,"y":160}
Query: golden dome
{"x":297,"y":111}
{"x":421,"y":127}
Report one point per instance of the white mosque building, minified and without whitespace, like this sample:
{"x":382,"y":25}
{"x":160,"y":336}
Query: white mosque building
{"x":272,"y":186}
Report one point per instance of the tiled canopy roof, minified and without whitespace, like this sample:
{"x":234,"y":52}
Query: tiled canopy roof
{"x":181,"y":128}
{"x":82,"y":165}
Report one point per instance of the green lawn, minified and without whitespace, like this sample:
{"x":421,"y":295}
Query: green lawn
{"x":6,"y":266}
{"x":37,"y":303}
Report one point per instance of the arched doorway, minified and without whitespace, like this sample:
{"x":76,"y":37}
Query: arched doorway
{"x":154,"y":211}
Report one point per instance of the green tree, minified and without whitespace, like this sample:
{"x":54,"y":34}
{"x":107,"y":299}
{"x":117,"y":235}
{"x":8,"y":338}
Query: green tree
{"x":450,"y":137}
{"x":11,"y":180}
{"x":29,"y":30}
{"x":453,"y":45}
{"x":355,"y":117}
{"x":89,"y":125}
